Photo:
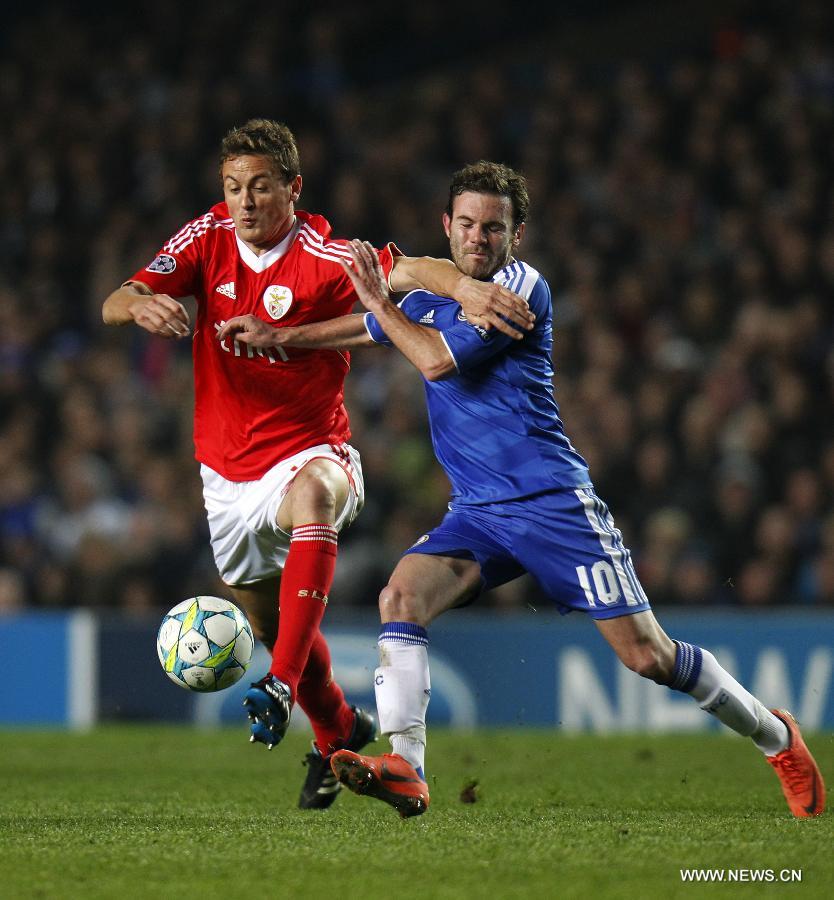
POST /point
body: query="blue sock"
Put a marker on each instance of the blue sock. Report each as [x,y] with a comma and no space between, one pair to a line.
[688,659]
[404,633]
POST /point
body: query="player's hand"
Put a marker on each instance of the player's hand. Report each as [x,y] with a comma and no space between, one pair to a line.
[488,304]
[160,314]
[253,331]
[366,275]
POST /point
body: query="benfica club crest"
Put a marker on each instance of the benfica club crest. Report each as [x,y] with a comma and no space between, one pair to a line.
[277,300]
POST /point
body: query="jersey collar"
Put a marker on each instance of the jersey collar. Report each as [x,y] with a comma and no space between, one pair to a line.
[265,260]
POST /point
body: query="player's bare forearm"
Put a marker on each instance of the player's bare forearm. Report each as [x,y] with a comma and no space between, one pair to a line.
[116,308]
[343,333]
[423,347]
[485,303]
[158,314]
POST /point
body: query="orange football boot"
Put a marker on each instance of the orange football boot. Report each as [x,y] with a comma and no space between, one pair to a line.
[388,778]
[802,783]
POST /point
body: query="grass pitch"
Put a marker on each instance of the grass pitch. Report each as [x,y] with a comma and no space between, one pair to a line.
[136,812]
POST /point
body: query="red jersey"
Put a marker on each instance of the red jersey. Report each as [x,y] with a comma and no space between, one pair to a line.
[255,407]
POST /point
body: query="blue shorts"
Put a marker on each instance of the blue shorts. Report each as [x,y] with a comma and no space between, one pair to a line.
[565,539]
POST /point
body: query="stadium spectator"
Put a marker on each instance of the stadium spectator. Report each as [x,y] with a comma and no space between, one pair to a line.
[684,213]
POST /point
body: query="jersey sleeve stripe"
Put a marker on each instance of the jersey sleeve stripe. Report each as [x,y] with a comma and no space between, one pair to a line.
[314,238]
[189,227]
[519,278]
[333,251]
[506,275]
[192,231]
[531,277]
[315,251]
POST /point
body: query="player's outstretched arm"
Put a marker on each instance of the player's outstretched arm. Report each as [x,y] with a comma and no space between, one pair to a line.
[159,314]
[423,347]
[343,333]
[485,303]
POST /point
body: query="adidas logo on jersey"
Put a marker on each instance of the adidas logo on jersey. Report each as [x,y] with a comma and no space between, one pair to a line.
[428,318]
[228,290]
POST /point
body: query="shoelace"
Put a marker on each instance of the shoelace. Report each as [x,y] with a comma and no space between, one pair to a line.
[793,773]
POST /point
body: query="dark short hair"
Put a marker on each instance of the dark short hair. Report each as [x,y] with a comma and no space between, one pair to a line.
[263,137]
[492,178]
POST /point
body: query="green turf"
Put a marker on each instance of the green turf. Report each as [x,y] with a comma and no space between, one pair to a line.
[129,812]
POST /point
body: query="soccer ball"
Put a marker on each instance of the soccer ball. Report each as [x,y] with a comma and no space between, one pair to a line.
[205,644]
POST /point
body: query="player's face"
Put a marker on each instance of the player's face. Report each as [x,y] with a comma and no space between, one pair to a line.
[481,234]
[261,202]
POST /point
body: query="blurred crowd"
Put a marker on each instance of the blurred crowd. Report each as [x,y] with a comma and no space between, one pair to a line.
[682,210]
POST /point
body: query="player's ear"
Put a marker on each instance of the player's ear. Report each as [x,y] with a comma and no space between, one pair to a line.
[519,233]
[295,188]
[447,224]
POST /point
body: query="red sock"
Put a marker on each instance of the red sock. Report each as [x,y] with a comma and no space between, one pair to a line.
[322,699]
[308,574]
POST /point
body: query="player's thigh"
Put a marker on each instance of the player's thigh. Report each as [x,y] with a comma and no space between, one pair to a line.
[318,493]
[423,586]
[260,603]
[246,544]
[569,543]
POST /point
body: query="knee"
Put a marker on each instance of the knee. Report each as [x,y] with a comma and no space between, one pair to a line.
[398,602]
[315,493]
[650,658]
[318,494]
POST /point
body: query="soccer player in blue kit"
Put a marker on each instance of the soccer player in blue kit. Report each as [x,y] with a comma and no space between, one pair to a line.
[522,500]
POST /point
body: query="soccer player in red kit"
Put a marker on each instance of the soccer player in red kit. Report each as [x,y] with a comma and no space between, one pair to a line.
[270,428]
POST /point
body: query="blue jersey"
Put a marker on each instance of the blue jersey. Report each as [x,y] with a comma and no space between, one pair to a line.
[495,425]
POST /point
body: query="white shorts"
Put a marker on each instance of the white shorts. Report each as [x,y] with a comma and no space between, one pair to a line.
[246,541]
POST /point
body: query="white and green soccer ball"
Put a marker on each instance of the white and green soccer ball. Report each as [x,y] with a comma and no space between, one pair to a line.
[205,644]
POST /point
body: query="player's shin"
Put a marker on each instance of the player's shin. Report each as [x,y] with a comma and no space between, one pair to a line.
[403,689]
[698,673]
[322,699]
[305,584]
